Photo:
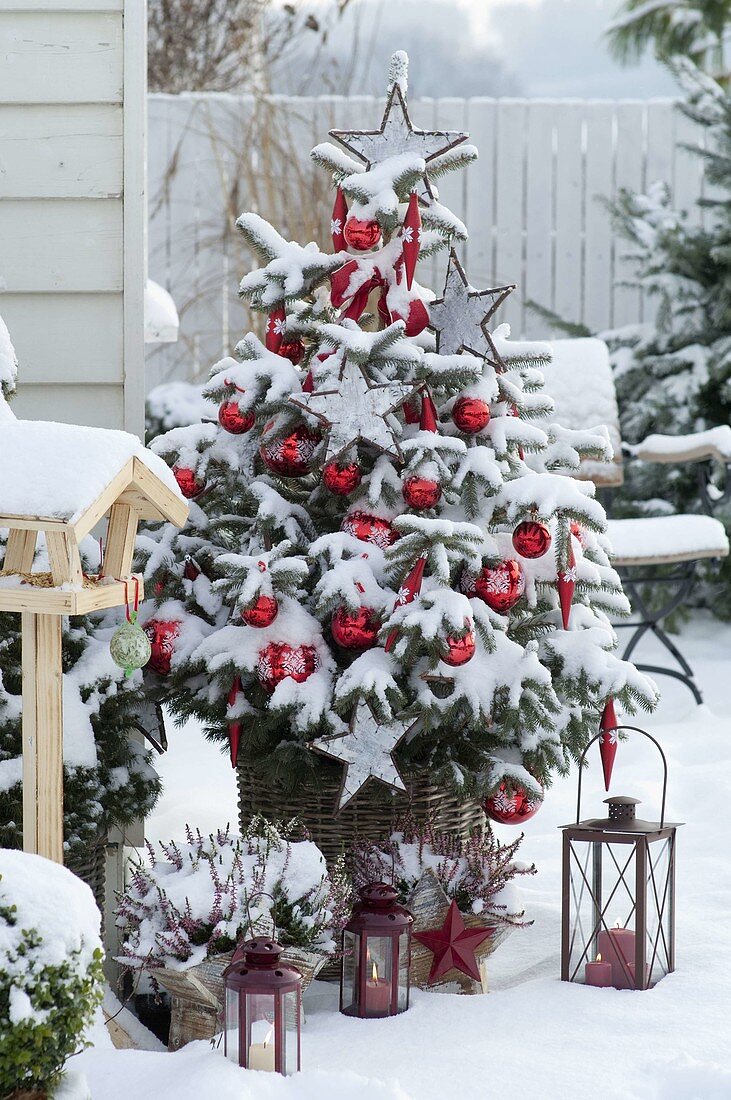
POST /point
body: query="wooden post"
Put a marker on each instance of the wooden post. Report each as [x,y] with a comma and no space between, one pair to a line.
[42,736]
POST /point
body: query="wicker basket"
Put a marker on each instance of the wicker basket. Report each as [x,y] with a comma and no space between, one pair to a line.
[370,814]
[89,864]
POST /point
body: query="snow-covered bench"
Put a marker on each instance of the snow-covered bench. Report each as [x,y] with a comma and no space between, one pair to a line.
[656,551]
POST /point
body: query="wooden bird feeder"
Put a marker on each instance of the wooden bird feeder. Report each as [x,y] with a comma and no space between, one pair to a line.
[63,480]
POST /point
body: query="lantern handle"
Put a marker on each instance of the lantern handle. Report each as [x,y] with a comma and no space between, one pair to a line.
[634,729]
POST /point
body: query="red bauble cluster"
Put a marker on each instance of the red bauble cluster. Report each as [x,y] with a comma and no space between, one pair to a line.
[278,660]
[368,528]
[471,414]
[355,629]
[421,492]
[262,613]
[459,650]
[512,807]
[341,480]
[291,456]
[293,350]
[361,235]
[162,634]
[531,539]
[188,483]
[233,419]
[499,586]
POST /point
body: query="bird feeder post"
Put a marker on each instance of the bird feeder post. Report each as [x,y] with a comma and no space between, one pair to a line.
[42,735]
[131,490]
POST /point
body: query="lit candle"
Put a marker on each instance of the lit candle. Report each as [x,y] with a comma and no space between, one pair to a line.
[377,995]
[261,1055]
[598,973]
[618,946]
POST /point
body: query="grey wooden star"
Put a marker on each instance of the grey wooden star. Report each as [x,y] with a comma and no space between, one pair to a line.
[357,410]
[460,316]
[397,135]
[366,752]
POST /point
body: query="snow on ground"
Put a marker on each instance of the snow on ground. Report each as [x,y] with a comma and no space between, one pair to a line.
[532,1034]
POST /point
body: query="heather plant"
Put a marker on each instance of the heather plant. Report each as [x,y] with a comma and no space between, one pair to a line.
[477,873]
[203,896]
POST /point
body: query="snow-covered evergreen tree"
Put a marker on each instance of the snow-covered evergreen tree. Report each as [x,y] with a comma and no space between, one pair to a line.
[350,575]
[673,375]
[108,779]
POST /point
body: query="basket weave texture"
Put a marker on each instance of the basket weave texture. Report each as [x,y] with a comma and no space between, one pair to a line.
[89,864]
[371,814]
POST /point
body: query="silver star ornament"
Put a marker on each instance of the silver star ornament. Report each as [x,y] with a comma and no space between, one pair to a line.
[460,316]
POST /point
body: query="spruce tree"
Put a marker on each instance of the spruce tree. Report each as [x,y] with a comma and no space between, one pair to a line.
[387,557]
[673,374]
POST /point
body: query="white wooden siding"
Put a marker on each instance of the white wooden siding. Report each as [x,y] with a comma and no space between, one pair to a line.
[532,202]
[72,206]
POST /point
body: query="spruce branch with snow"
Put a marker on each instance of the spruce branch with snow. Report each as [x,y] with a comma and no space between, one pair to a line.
[391,557]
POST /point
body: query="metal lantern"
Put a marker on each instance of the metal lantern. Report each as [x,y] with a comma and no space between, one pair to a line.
[618,908]
[263,1002]
[376,955]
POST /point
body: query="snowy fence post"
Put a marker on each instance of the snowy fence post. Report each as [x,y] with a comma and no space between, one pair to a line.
[62,480]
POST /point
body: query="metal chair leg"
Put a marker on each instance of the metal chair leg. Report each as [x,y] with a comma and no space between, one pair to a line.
[650,619]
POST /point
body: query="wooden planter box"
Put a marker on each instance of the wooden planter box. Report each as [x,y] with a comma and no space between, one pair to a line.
[196,994]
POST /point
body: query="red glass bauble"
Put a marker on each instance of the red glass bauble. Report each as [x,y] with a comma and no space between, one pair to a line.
[421,492]
[278,660]
[263,612]
[162,634]
[233,419]
[500,586]
[471,414]
[459,650]
[512,807]
[355,629]
[362,235]
[293,350]
[370,529]
[341,480]
[189,484]
[291,456]
[531,539]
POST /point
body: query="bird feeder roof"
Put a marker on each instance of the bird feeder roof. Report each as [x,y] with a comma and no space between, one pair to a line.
[63,475]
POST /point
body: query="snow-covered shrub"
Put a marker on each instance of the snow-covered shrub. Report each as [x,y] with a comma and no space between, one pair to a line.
[174,405]
[477,873]
[50,969]
[212,891]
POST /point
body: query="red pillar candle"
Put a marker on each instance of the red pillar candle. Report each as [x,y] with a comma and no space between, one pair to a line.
[377,995]
[618,947]
[598,973]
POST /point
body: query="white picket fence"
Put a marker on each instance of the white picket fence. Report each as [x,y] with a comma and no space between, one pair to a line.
[533,202]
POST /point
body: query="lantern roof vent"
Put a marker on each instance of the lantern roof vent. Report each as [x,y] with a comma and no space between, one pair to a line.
[622,807]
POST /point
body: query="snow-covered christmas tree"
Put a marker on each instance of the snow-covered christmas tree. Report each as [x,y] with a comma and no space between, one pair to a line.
[387,559]
[108,778]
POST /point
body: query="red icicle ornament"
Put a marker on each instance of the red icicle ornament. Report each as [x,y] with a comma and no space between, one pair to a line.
[608,742]
[407,593]
[337,222]
[275,329]
[566,583]
[234,724]
[411,238]
[429,420]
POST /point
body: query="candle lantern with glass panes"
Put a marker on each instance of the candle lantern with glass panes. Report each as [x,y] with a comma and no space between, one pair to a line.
[618,908]
[263,1007]
[376,955]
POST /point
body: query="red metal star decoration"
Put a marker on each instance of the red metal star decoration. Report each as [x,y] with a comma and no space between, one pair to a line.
[453,945]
